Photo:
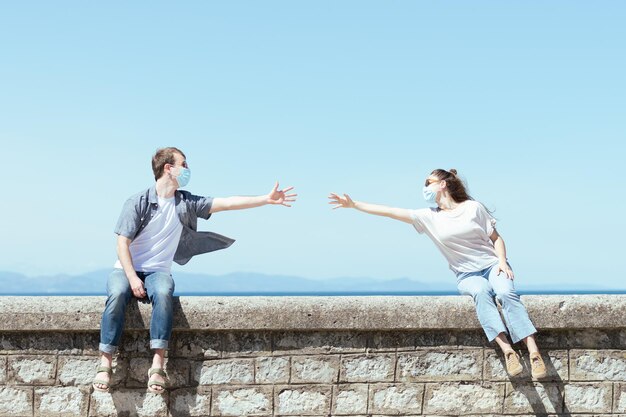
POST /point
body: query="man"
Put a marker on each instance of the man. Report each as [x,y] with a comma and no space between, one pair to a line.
[156,227]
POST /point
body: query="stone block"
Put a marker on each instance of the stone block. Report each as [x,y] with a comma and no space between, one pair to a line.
[396,399]
[272,370]
[61,402]
[588,397]
[392,341]
[242,401]
[190,402]
[367,368]
[196,345]
[597,365]
[87,344]
[128,403]
[535,398]
[77,370]
[619,402]
[16,401]
[314,369]
[556,365]
[177,372]
[32,370]
[312,343]
[305,400]
[3,369]
[464,398]
[589,339]
[440,365]
[135,343]
[40,343]
[242,344]
[350,399]
[225,371]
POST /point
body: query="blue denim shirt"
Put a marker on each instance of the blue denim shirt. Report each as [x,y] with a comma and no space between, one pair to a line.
[138,210]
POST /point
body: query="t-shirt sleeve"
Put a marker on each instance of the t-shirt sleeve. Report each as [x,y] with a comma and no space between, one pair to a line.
[201,205]
[485,220]
[418,217]
[130,219]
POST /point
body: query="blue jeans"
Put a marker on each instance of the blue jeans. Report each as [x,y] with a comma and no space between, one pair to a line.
[159,287]
[483,286]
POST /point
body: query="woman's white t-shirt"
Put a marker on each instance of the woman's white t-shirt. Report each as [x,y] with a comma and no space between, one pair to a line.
[462,234]
[154,248]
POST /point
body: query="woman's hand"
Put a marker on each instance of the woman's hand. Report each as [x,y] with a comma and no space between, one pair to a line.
[504,267]
[340,202]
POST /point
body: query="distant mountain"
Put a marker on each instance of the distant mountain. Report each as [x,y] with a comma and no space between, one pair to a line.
[238,282]
[247,283]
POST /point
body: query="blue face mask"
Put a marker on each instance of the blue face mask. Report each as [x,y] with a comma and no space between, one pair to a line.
[184,174]
[430,196]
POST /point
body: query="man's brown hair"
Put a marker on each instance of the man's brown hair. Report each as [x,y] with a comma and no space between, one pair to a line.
[164,156]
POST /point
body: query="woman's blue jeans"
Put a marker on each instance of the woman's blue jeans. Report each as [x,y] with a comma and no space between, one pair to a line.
[159,287]
[483,286]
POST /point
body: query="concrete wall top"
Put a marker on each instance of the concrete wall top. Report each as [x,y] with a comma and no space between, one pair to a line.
[311,313]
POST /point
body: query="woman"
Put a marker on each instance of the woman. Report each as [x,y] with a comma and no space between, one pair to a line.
[464,231]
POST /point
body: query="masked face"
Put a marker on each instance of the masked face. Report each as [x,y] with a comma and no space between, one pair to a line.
[183,177]
[430,190]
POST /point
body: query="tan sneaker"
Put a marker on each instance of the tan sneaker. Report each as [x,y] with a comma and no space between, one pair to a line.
[537,367]
[513,365]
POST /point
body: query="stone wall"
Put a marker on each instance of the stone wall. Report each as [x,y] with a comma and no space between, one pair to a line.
[309,356]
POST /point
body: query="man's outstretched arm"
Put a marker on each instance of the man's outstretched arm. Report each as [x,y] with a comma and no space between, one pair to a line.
[275,196]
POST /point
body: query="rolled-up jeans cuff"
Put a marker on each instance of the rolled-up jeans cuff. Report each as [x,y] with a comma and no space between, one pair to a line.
[110,349]
[158,344]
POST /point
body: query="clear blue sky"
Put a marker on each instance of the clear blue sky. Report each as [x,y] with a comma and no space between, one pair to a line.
[527,100]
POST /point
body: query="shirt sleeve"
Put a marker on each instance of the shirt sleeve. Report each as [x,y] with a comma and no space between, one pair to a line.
[418,217]
[485,219]
[130,219]
[201,205]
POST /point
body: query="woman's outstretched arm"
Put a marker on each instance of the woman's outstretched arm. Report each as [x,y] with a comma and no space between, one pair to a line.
[377,209]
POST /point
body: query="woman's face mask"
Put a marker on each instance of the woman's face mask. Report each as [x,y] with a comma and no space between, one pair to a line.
[430,191]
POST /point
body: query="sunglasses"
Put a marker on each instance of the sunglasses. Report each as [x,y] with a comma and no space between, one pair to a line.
[430,181]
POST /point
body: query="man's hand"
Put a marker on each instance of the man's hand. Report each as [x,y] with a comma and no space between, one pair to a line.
[277,196]
[136,285]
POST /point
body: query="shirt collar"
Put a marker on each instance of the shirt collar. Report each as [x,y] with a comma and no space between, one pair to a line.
[153,198]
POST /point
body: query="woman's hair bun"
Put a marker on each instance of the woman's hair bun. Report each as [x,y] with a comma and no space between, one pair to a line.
[453,171]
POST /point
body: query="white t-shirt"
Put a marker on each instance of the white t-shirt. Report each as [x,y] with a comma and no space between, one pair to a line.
[461,234]
[154,248]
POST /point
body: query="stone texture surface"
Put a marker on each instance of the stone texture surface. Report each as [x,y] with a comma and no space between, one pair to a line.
[32,370]
[396,398]
[307,400]
[556,362]
[242,401]
[533,398]
[589,397]
[272,370]
[61,402]
[350,399]
[309,313]
[16,401]
[190,402]
[440,365]
[315,369]
[225,371]
[131,403]
[462,399]
[367,368]
[381,367]
[76,370]
[599,365]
